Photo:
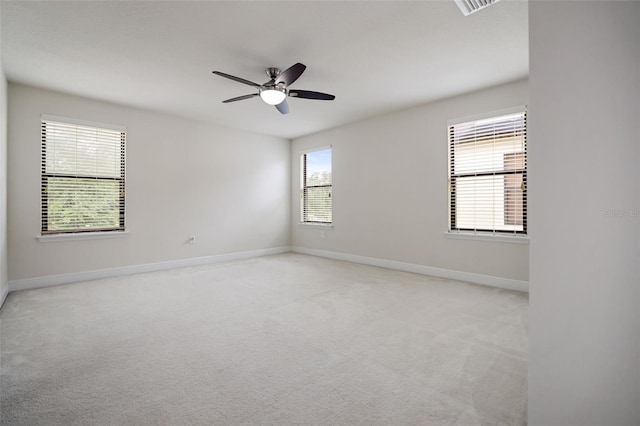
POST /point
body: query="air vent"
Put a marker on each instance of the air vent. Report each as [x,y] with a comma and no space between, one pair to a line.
[467,7]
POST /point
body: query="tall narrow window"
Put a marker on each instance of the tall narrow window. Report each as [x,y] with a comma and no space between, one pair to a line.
[316,187]
[83,176]
[488,174]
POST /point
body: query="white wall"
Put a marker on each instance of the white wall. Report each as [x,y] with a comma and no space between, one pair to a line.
[226,187]
[584,213]
[390,189]
[4,288]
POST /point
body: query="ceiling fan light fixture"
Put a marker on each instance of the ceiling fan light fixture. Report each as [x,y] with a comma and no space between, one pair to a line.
[273,95]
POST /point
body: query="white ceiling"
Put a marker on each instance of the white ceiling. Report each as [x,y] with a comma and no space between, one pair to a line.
[375,56]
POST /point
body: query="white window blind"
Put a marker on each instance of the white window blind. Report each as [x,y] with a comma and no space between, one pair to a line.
[316,187]
[83,177]
[488,174]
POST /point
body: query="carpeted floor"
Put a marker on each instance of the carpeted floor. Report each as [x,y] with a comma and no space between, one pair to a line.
[278,340]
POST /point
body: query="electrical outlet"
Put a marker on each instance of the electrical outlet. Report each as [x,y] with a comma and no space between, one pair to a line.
[321,234]
[192,239]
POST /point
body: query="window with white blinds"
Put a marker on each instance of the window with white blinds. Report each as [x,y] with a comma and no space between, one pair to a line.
[488,174]
[83,176]
[316,187]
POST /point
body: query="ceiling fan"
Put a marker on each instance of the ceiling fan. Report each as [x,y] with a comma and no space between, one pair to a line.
[275,91]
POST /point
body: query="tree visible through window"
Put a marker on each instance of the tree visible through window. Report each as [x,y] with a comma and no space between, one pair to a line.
[488,175]
[83,172]
[316,187]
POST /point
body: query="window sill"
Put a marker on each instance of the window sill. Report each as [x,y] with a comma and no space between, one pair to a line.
[81,236]
[315,225]
[494,238]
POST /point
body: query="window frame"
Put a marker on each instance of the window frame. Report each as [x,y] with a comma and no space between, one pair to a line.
[98,232]
[304,186]
[490,233]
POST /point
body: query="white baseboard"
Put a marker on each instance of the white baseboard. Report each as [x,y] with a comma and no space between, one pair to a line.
[4,292]
[52,280]
[48,281]
[487,280]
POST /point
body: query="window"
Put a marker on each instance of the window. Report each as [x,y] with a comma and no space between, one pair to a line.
[83,175]
[488,174]
[316,188]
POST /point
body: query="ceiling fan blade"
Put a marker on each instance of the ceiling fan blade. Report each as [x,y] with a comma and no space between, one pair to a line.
[240,98]
[291,74]
[283,107]
[309,94]
[238,79]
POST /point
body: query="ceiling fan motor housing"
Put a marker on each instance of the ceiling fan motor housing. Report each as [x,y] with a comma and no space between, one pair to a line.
[273,73]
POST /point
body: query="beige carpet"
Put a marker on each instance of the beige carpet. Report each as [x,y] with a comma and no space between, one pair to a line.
[279,340]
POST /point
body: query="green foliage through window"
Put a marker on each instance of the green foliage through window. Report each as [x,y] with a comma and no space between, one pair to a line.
[82,178]
[77,204]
